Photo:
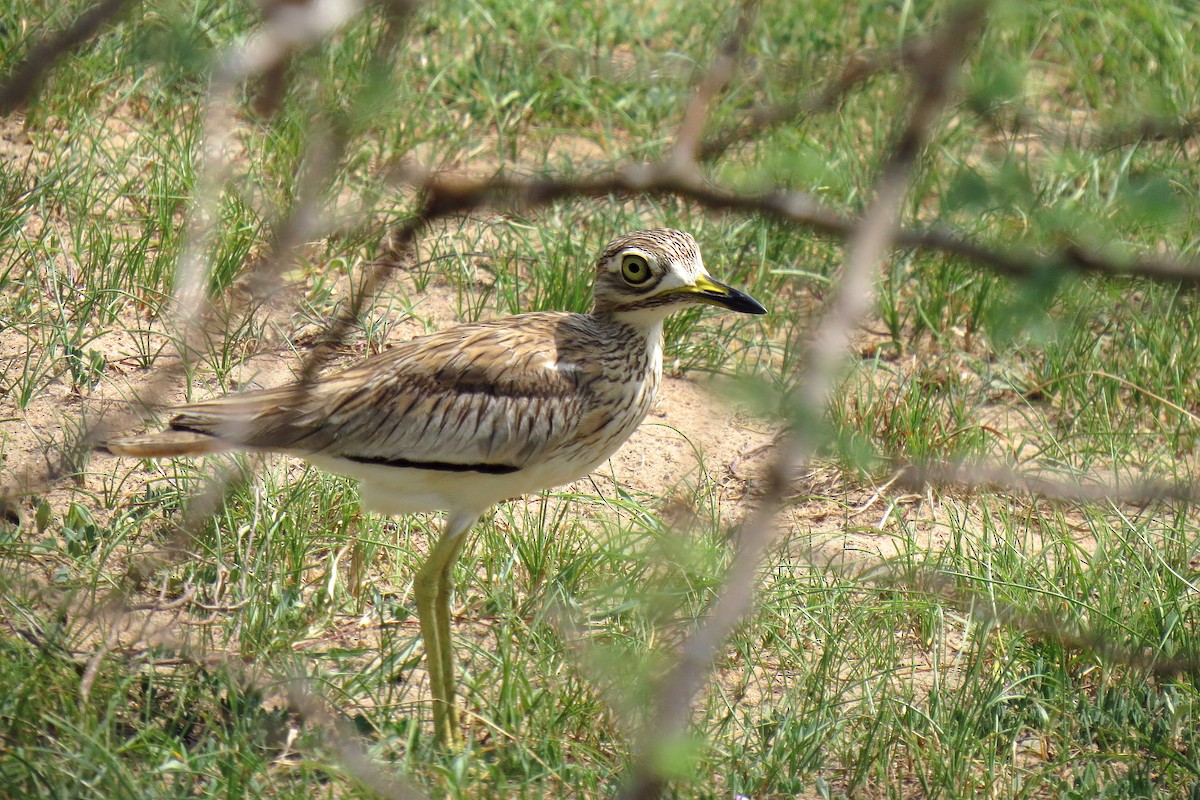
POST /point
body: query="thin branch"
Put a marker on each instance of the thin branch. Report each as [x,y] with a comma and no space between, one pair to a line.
[997,477]
[26,78]
[1151,129]
[826,353]
[351,754]
[695,116]
[312,708]
[868,238]
[857,69]
[989,609]
[447,195]
[284,31]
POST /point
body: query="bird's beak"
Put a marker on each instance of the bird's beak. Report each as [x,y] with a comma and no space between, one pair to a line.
[716,293]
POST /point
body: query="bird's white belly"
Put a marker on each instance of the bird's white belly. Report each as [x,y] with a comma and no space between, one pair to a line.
[407,490]
[404,490]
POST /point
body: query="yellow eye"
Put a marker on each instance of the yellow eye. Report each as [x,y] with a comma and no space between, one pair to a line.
[635,269]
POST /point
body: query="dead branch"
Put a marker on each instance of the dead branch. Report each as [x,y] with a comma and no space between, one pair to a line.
[991,610]
[312,708]
[856,69]
[1151,129]
[26,78]
[997,477]
[448,195]
[825,360]
[286,30]
[934,62]
[695,116]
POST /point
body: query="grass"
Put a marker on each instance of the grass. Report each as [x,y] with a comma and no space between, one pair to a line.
[571,604]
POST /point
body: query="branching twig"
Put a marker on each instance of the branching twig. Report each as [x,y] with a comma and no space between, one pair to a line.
[23,82]
[934,61]
[991,610]
[312,708]
[1023,123]
[856,69]
[1150,129]
[695,116]
[447,195]
[852,302]
[351,755]
[290,28]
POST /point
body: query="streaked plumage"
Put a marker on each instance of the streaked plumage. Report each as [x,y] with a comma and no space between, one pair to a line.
[464,418]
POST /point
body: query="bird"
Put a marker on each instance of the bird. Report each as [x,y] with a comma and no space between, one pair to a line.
[464,418]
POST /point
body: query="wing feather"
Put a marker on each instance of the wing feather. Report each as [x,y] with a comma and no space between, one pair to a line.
[495,393]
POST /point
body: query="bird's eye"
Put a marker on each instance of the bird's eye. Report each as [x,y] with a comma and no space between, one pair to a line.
[635,269]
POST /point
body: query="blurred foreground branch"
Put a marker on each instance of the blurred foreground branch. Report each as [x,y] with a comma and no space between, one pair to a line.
[997,477]
[987,608]
[825,358]
[23,82]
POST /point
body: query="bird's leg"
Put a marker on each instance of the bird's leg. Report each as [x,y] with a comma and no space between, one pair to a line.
[445,588]
[426,594]
[432,586]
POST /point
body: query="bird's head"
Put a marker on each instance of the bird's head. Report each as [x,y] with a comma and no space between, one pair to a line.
[644,276]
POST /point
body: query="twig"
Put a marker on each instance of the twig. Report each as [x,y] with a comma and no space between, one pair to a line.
[998,477]
[695,116]
[1176,130]
[284,31]
[447,195]
[991,610]
[24,81]
[313,709]
[111,637]
[856,69]
[353,758]
[1150,129]
[851,304]
[868,239]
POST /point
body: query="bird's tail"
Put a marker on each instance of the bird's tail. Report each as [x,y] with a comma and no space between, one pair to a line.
[164,445]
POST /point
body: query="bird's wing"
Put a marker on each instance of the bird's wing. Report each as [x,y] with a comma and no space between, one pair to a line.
[489,396]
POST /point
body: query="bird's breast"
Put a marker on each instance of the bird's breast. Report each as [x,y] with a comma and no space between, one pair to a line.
[620,399]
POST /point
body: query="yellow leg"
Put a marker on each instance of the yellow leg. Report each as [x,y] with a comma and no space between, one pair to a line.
[432,587]
[442,621]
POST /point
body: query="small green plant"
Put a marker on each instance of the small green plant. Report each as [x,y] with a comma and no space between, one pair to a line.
[81,533]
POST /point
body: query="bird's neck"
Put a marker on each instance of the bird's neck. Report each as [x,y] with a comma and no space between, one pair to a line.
[653,336]
[642,326]
[634,330]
